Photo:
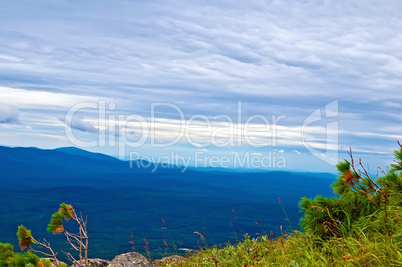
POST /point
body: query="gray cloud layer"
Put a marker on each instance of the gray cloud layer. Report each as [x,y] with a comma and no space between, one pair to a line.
[79,123]
[266,51]
[8,114]
[278,57]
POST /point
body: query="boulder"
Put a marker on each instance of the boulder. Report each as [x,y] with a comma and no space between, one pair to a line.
[131,259]
[98,263]
[94,263]
[170,259]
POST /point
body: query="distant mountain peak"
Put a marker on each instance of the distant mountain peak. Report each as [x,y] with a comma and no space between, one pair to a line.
[81,152]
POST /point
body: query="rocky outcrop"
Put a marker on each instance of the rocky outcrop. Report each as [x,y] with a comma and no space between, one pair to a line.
[98,263]
[94,263]
[170,259]
[131,259]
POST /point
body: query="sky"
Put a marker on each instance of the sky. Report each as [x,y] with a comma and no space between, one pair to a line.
[240,84]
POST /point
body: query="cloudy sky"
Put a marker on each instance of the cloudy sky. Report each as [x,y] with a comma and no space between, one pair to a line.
[294,81]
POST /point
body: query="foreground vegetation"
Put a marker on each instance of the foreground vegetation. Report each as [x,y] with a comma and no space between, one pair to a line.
[361,227]
[303,249]
[78,242]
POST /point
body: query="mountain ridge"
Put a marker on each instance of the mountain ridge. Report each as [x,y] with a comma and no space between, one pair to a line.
[119,200]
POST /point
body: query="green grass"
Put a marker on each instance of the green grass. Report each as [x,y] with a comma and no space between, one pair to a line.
[360,227]
[303,249]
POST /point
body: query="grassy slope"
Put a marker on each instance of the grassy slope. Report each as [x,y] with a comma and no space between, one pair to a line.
[302,249]
[361,248]
[352,235]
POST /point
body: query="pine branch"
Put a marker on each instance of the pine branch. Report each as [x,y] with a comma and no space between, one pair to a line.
[70,257]
[366,173]
[46,245]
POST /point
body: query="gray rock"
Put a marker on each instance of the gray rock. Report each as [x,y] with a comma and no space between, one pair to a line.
[94,263]
[170,259]
[131,259]
[98,263]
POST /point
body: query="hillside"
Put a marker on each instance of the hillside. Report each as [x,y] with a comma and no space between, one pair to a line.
[119,200]
[359,227]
